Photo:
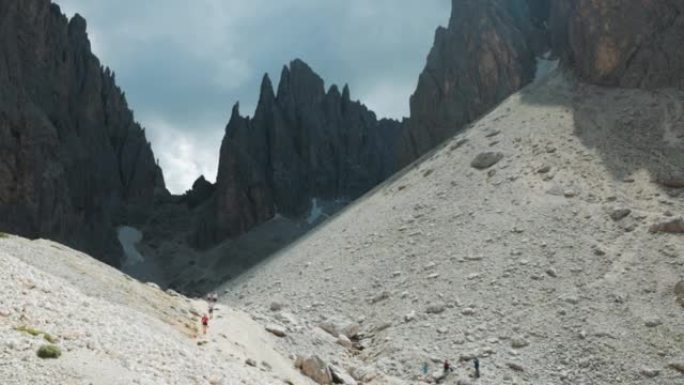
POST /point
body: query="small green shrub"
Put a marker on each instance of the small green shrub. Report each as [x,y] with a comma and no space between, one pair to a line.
[35,333]
[28,330]
[3,235]
[49,338]
[49,351]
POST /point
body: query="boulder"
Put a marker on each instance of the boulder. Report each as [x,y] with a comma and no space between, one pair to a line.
[679,292]
[619,214]
[363,374]
[675,226]
[344,341]
[337,327]
[341,377]
[673,180]
[678,366]
[649,372]
[436,308]
[315,368]
[486,160]
[519,343]
[276,330]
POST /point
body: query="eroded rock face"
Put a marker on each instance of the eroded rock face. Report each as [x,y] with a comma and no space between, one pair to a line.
[627,43]
[72,159]
[485,54]
[302,143]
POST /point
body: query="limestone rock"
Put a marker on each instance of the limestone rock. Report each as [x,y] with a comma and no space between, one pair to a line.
[200,192]
[484,55]
[519,343]
[649,372]
[344,341]
[628,43]
[341,377]
[337,327]
[363,374]
[303,143]
[436,308]
[315,368]
[674,180]
[486,160]
[276,330]
[679,292]
[675,226]
[72,161]
[619,214]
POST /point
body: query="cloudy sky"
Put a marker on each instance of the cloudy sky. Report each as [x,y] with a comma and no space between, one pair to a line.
[184,63]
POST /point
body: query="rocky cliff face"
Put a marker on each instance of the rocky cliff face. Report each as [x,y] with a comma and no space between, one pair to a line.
[627,43]
[485,54]
[302,143]
[72,159]
[488,52]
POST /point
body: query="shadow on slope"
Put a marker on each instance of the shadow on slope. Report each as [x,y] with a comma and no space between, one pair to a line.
[631,130]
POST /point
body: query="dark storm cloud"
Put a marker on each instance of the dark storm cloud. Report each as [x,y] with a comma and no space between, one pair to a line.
[184,63]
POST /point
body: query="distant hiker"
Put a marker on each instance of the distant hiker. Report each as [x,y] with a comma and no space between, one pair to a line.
[476,362]
[425,368]
[205,323]
[447,367]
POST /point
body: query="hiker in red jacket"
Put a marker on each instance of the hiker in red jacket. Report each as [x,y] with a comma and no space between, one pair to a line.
[205,323]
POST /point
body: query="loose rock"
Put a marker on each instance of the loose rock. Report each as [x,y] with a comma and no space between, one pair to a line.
[486,160]
[276,330]
[315,368]
[675,226]
[339,376]
[519,343]
[344,341]
[436,308]
[649,373]
[515,366]
[678,366]
[619,214]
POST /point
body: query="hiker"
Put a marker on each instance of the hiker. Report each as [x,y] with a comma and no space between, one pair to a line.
[205,323]
[476,362]
[447,367]
[425,369]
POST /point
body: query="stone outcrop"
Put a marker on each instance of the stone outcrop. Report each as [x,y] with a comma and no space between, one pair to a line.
[486,53]
[200,192]
[73,162]
[627,43]
[302,143]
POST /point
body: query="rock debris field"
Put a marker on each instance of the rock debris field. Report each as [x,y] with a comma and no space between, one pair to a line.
[545,240]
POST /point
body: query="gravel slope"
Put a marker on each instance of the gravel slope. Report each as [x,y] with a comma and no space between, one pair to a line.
[520,264]
[114,330]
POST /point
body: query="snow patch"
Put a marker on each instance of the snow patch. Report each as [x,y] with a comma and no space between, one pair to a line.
[545,65]
[129,237]
[316,212]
